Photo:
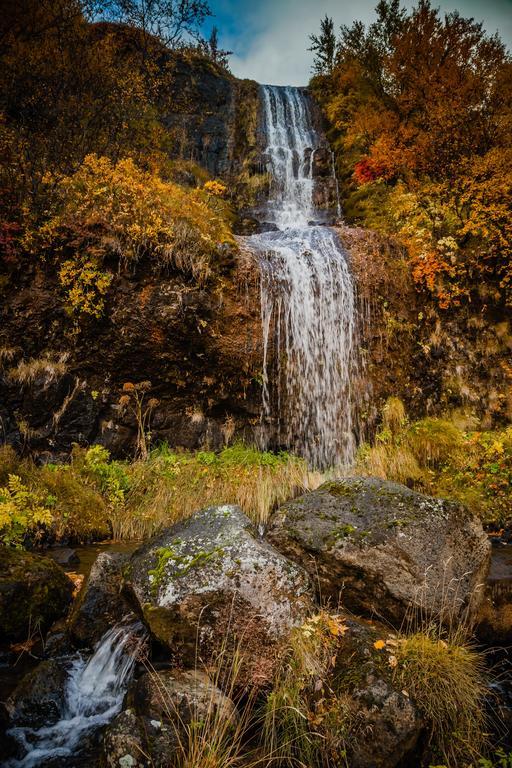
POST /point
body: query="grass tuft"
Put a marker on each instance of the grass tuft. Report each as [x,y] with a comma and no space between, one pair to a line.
[50,367]
[444,676]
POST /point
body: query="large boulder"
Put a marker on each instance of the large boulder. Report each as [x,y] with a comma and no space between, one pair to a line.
[381,548]
[34,591]
[163,706]
[99,604]
[210,582]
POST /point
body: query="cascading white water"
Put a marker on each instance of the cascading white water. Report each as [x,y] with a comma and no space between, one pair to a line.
[93,696]
[308,304]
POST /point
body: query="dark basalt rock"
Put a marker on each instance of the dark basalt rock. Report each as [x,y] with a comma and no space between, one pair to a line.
[380,709]
[380,548]
[37,700]
[99,604]
[34,591]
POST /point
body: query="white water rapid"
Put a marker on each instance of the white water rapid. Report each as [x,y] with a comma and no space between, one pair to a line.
[308,306]
[92,697]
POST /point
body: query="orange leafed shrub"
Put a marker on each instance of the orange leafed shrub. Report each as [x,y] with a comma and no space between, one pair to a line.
[117,208]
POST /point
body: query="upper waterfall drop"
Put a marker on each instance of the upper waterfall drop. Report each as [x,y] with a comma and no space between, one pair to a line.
[291,142]
[308,306]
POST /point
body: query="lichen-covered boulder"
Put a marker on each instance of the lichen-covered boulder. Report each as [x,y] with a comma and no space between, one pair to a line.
[99,604]
[210,583]
[34,591]
[380,547]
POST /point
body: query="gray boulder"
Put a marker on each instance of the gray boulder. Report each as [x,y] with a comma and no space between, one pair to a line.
[124,743]
[381,548]
[184,696]
[210,584]
[99,604]
[162,707]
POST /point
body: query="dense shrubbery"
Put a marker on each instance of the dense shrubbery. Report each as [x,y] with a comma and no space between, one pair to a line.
[109,209]
[437,456]
[94,496]
[419,108]
[85,169]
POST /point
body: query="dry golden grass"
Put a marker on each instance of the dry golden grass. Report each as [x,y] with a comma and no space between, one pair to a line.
[50,367]
[445,678]
[389,462]
[169,487]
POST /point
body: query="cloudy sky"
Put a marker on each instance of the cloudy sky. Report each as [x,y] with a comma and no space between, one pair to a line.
[270,37]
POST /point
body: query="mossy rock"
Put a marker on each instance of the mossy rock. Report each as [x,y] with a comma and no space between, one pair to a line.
[380,548]
[211,582]
[363,673]
[34,592]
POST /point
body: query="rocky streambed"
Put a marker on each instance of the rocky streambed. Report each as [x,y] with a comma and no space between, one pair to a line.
[197,622]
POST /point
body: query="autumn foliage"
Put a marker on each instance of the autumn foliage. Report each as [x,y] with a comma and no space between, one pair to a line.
[88,169]
[419,108]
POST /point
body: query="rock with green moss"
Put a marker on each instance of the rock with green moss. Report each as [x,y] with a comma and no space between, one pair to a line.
[381,548]
[34,591]
[210,584]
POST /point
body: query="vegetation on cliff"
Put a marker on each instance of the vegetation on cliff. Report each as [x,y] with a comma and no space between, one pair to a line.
[447,457]
[87,183]
[96,497]
[418,107]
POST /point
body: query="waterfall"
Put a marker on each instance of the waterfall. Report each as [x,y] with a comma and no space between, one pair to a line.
[93,695]
[308,307]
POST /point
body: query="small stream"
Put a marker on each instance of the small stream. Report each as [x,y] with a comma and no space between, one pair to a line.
[92,696]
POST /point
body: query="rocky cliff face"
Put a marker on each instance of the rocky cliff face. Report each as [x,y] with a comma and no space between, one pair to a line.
[201,346]
[434,360]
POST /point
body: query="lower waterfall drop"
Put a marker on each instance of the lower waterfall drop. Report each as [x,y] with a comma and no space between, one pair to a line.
[308,305]
[93,695]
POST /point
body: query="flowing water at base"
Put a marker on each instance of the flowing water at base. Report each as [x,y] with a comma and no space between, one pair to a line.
[308,307]
[92,697]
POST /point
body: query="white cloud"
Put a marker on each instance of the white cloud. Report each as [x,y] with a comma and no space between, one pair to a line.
[275,33]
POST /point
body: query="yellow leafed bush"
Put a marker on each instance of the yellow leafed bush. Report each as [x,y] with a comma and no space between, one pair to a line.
[121,209]
[22,511]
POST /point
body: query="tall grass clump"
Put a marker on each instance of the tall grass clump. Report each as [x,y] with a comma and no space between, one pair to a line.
[445,677]
[170,485]
[305,723]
